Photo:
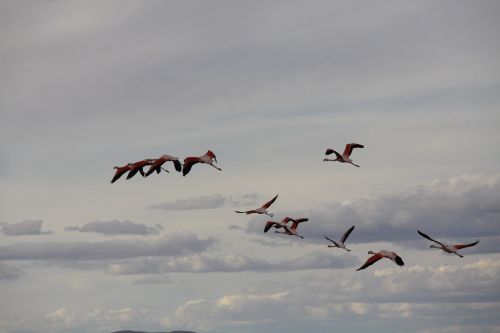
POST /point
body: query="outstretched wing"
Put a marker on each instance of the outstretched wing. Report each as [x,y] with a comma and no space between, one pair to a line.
[269,225]
[239,211]
[188,163]
[348,232]
[373,259]
[331,151]
[269,203]
[429,238]
[331,240]
[350,146]
[118,174]
[461,246]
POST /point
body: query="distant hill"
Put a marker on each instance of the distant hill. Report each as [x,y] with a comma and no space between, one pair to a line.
[153,332]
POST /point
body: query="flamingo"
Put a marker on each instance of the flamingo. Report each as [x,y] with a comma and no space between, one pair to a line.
[120,171]
[292,231]
[137,167]
[447,248]
[341,244]
[283,223]
[208,158]
[260,210]
[382,254]
[157,164]
[345,157]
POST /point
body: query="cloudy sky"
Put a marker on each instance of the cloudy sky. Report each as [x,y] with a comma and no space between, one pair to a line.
[267,86]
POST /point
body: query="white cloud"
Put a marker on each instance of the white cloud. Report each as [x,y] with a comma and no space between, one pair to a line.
[233,309]
[405,297]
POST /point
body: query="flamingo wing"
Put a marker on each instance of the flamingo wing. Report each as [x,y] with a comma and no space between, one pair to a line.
[429,238]
[348,232]
[188,163]
[331,240]
[373,259]
[461,246]
[177,165]
[119,172]
[350,146]
[331,151]
[132,172]
[155,167]
[269,225]
[269,203]
[397,259]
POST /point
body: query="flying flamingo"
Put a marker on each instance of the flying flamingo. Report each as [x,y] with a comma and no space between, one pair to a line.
[208,158]
[292,231]
[341,244]
[382,254]
[345,157]
[120,171]
[283,223]
[260,210]
[137,167]
[447,248]
[157,164]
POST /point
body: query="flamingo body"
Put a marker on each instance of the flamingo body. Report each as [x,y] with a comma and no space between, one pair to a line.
[260,210]
[120,171]
[376,256]
[346,155]
[138,167]
[292,231]
[209,158]
[341,244]
[157,164]
[447,247]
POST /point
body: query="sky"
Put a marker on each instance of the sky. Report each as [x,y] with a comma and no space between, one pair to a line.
[268,86]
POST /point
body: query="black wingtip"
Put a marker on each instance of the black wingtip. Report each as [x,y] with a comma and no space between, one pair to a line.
[399,261]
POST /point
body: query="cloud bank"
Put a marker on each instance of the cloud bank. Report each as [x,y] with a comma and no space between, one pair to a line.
[167,245]
[204,263]
[460,208]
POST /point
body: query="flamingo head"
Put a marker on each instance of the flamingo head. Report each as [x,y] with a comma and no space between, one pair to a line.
[212,155]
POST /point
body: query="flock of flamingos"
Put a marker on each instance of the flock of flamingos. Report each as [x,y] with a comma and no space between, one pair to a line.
[209,158]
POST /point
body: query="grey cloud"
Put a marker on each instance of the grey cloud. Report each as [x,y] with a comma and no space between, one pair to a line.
[32,227]
[464,207]
[203,202]
[167,245]
[202,263]
[207,202]
[115,227]
[9,271]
